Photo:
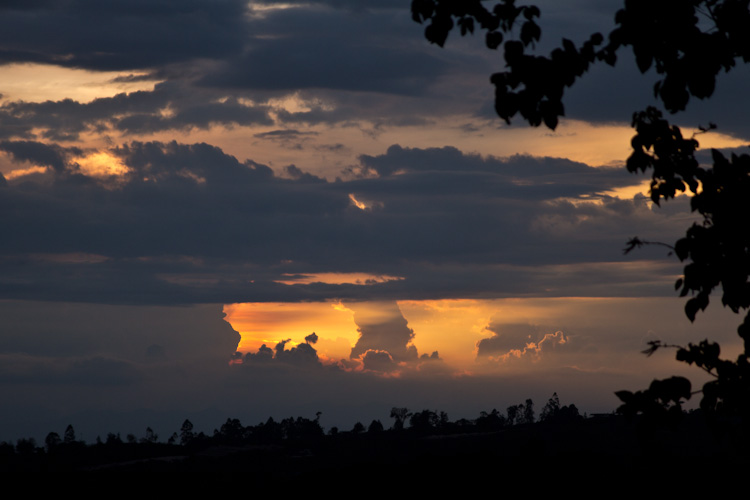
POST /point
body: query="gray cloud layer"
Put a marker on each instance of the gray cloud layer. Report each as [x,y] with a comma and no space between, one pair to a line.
[190,223]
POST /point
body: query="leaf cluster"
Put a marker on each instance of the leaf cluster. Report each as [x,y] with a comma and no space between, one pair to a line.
[686,43]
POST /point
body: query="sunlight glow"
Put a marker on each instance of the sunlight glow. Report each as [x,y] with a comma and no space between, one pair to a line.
[42,82]
[357,203]
[101,164]
[268,323]
[338,279]
[364,205]
[566,332]
[294,103]
[20,172]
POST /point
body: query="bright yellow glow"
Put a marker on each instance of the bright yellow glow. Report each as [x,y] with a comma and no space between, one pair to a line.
[357,203]
[270,322]
[294,103]
[40,82]
[577,333]
[20,172]
[338,279]
[629,192]
[101,164]
[364,205]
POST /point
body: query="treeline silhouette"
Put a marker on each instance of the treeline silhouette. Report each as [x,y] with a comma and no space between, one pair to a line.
[418,444]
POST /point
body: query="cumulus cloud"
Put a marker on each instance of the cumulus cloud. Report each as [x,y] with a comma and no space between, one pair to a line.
[378,361]
[520,340]
[301,355]
[382,328]
[507,337]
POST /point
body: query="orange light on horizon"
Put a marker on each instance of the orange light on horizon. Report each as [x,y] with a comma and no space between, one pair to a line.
[338,278]
[271,322]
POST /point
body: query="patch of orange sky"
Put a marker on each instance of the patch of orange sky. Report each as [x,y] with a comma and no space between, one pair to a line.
[453,327]
[42,82]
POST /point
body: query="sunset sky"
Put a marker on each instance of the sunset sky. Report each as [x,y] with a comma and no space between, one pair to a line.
[183,182]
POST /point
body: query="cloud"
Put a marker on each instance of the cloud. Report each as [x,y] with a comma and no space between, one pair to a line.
[378,361]
[300,355]
[74,331]
[188,223]
[507,337]
[382,328]
[49,155]
[121,34]
[170,106]
[521,341]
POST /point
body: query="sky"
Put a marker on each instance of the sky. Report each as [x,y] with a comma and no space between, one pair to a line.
[190,189]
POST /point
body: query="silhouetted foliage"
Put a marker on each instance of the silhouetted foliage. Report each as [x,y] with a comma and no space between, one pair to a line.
[232,431]
[358,428]
[424,421]
[554,413]
[400,415]
[375,427]
[186,432]
[528,412]
[551,409]
[52,441]
[70,435]
[687,43]
[512,414]
[150,437]
[26,446]
[492,421]
[113,439]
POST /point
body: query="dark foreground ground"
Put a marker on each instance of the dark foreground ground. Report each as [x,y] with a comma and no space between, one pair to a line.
[604,456]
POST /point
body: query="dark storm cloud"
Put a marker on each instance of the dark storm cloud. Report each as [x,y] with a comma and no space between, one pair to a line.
[169,106]
[330,51]
[319,62]
[331,48]
[312,47]
[190,223]
[121,34]
[48,155]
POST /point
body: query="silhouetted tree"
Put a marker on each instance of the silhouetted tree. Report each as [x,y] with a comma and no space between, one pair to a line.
[527,412]
[375,427]
[70,435]
[400,415]
[52,441]
[186,432]
[687,43]
[26,446]
[150,437]
[512,414]
[358,428]
[232,431]
[113,439]
[551,409]
[493,420]
[424,421]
